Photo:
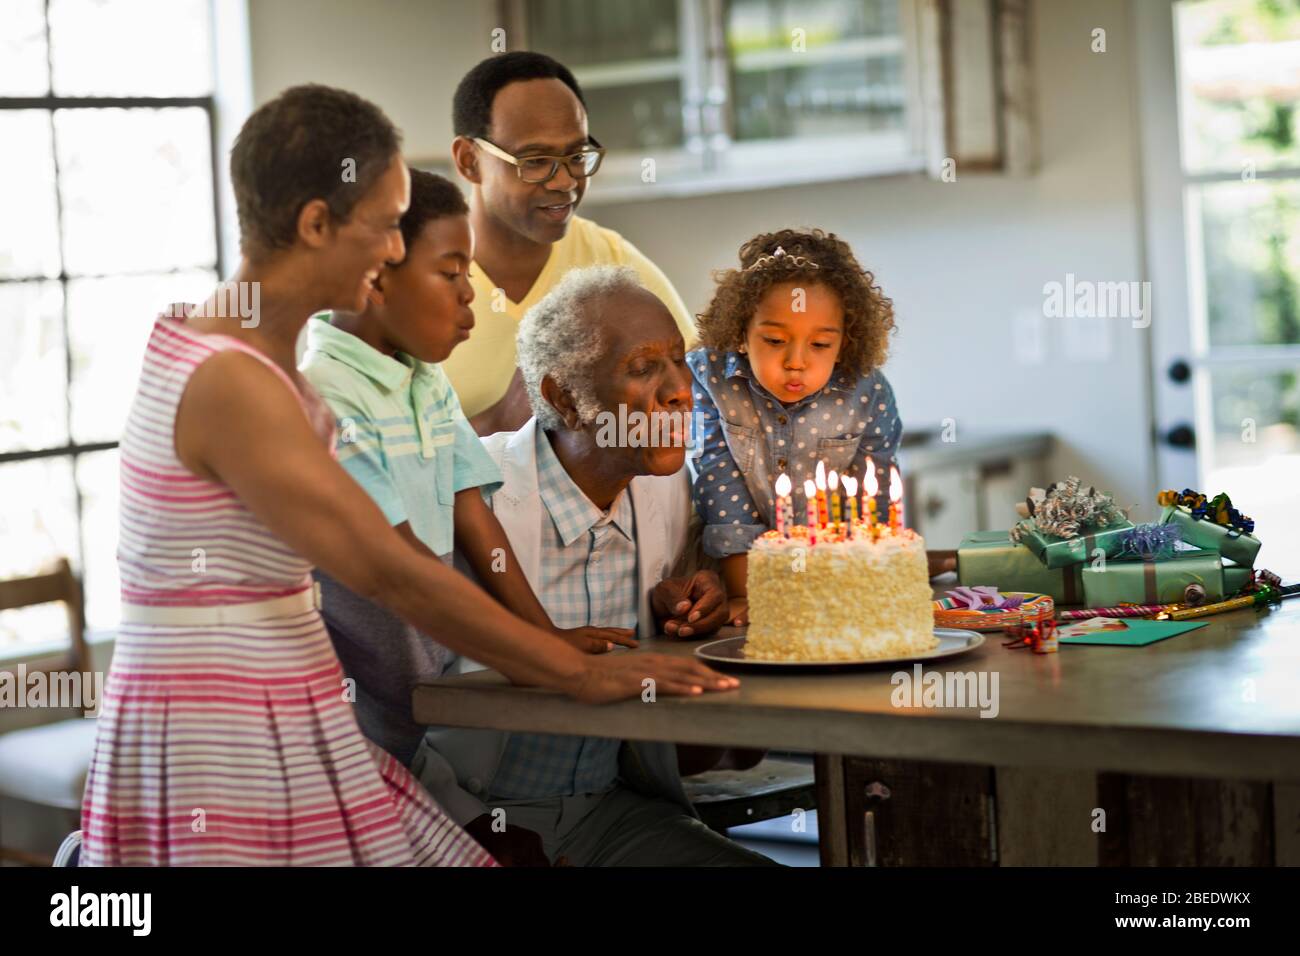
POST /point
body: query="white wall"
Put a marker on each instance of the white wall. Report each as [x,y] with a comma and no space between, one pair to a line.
[405,55]
[961,260]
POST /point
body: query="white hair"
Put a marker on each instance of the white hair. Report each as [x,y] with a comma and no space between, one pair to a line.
[557,338]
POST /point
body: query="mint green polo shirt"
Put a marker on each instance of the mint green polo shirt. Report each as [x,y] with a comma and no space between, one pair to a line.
[401,432]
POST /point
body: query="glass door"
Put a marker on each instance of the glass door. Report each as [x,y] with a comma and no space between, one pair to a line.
[1239,87]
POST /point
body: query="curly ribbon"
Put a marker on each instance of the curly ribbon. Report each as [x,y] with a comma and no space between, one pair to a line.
[1217,510]
[1065,509]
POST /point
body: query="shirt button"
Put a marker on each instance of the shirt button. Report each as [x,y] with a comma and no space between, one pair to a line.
[781,419]
[780,463]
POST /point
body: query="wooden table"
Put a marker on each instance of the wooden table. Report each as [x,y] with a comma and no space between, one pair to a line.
[1220,702]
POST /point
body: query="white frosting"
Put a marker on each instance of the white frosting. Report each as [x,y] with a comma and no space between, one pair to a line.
[839,600]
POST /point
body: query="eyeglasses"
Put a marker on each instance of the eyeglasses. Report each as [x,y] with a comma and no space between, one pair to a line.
[542,169]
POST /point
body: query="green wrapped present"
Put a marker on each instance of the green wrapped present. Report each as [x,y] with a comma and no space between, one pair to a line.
[991,558]
[1205,533]
[1056,552]
[1153,580]
[1235,577]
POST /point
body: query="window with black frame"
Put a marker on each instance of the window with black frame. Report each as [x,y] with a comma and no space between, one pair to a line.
[107,186]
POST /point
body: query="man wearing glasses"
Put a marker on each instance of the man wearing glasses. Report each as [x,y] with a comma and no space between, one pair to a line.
[522,142]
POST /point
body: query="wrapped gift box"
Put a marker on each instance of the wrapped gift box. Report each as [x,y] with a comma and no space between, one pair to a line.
[1204,533]
[1057,552]
[1235,577]
[992,558]
[1153,580]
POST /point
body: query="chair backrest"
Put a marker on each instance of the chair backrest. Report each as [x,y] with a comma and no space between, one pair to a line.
[57,586]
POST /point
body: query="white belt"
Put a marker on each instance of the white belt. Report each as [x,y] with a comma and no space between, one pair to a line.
[247,613]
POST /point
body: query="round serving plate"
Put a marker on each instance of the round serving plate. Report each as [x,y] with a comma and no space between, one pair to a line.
[731,652]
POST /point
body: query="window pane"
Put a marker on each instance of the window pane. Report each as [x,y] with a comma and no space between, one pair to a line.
[627,58]
[642,116]
[24,63]
[33,367]
[847,76]
[145,204]
[29,224]
[97,477]
[582,33]
[1239,76]
[38,525]
[1251,241]
[131,47]
[108,325]
[1256,455]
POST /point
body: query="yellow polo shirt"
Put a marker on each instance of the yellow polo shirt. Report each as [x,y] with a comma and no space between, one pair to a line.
[480,368]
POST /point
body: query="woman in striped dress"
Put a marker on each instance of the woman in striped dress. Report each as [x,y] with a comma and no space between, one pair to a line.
[226,735]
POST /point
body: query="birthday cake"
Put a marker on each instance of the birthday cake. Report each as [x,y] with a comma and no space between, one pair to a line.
[839,597]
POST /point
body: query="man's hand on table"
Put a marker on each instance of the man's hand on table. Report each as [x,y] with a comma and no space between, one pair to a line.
[690,606]
[941,562]
[513,846]
[596,640]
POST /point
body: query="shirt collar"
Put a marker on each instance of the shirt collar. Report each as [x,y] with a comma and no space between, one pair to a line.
[570,509]
[388,372]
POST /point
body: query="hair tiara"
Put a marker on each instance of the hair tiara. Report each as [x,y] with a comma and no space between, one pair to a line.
[780,259]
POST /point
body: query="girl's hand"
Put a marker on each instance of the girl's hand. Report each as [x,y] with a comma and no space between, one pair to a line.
[596,640]
[738,611]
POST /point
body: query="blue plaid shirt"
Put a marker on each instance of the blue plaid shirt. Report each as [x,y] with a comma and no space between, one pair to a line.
[588,577]
[745,437]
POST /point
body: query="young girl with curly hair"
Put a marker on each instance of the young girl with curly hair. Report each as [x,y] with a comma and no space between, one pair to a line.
[788,375]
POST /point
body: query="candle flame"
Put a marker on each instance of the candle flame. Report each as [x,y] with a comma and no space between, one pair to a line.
[833,480]
[871,484]
[809,489]
[850,485]
[821,475]
[782,484]
[895,485]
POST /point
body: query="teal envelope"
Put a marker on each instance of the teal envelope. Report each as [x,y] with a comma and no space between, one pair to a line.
[1138,634]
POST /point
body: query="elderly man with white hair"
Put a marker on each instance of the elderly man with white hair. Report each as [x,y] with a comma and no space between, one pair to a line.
[599,519]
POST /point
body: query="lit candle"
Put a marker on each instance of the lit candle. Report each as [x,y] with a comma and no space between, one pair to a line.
[821,492]
[810,494]
[851,503]
[870,488]
[782,494]
[895,500]
[833,482]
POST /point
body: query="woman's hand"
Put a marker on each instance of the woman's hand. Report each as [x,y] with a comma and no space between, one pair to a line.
[621,676]
[596,640]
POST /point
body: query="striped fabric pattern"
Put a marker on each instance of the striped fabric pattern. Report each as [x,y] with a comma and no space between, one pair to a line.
[588,579]
[232,744]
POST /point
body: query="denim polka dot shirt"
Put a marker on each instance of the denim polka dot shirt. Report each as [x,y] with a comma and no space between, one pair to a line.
[743,438]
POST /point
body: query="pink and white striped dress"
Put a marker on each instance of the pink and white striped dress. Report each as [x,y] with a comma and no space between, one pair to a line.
[232,744]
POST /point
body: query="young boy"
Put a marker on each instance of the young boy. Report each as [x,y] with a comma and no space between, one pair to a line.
[404,438]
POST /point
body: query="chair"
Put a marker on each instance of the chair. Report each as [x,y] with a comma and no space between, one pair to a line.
[731,798]
[46,765]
